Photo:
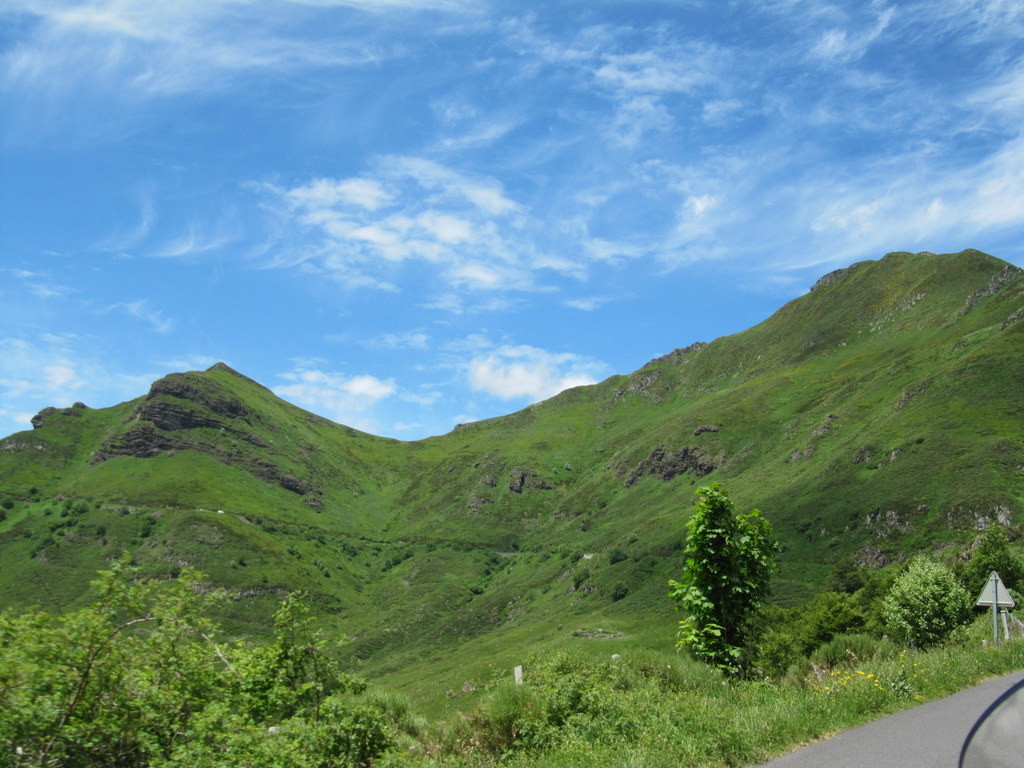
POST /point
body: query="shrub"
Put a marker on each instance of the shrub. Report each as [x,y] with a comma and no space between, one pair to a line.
[509,717]
[617,555]
[925,604]
[849,649]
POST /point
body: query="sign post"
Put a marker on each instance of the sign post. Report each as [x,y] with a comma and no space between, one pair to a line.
[996,594]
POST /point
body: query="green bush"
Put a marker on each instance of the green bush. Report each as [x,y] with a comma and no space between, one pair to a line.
[925,604]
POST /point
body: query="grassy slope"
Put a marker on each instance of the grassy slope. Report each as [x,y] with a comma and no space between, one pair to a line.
[871,417]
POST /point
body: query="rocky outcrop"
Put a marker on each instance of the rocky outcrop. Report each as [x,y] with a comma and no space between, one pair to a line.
[200,392]
[910,394]
[1014,318]
[828,279]
[870,556]
[884,523]
[640,384]
[679,355]
[143,441]
[476,503]
[520,479]
[996,284]
[837,274]
[668,463]
[40,419]
[963,518]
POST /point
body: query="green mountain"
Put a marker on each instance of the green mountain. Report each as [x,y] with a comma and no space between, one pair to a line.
[879,415]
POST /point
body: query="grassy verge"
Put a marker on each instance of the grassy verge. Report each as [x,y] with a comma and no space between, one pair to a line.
[652,709]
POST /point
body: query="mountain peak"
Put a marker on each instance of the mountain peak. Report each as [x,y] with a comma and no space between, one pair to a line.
[224,367]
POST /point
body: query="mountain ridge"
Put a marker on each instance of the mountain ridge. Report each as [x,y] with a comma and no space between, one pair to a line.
[877,415]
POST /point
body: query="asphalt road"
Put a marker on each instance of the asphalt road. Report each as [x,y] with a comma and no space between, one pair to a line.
[928,736]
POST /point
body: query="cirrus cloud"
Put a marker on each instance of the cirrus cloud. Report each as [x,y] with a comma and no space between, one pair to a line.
[370,230]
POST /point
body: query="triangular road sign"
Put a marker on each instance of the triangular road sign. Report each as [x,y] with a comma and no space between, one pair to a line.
[995,593]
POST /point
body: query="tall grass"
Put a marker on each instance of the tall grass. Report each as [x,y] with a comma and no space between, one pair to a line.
[650,709]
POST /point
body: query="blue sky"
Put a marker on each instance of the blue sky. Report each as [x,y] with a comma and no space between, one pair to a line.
[406,214]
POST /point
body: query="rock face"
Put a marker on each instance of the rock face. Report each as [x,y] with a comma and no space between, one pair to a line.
[521,478]
[667,463]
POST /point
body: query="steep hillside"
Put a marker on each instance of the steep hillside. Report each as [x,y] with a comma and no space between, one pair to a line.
[877,415]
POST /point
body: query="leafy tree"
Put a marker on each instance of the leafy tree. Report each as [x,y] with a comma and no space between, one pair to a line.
[845,577]
[828,615]
[992,552]
[730,558]
[925,604]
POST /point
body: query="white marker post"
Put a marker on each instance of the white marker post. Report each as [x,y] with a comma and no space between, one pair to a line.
[996,594]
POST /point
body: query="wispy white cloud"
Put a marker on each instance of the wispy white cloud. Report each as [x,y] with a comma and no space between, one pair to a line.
[41,284]
[190,363]
[421,398]
[193,242]
[123,240]
[141,310]
[50,290]
[57,370]
[401,426]
[719,111]
[408,340]
[346,399]
[971,21]
[162,48]
[321,194]
[876,213]
[668,69]
[525,372]
[589,303]
[842,45]
[464,228]
[637,118]
[392,5]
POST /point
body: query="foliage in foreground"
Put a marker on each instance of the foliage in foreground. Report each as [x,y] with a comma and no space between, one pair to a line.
[650,709]
[140,678]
